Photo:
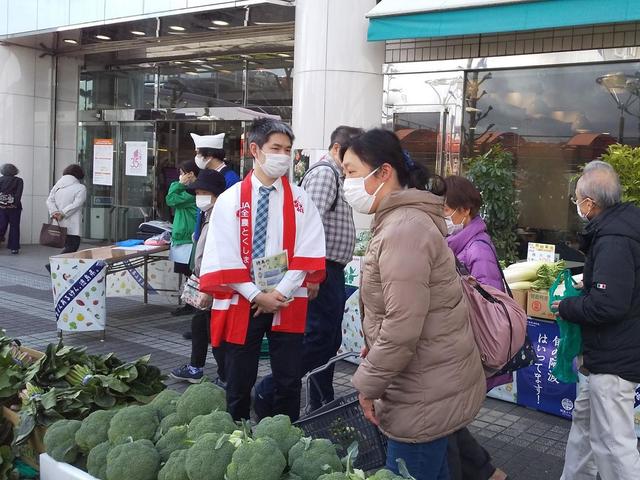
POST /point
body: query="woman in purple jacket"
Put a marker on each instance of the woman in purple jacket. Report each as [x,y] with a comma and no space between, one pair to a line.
[470,242]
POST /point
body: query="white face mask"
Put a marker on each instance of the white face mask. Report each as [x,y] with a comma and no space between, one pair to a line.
[275,165]
[201,162]
[203,202]
[356,194]
[452,228]
[583,216]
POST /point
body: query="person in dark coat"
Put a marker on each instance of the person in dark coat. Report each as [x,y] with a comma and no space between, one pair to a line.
[11,187]
[602,438]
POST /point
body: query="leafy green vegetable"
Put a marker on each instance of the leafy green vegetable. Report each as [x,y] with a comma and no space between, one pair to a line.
[547,274]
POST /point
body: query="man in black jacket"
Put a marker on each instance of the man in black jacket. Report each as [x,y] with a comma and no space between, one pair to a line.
[602,438]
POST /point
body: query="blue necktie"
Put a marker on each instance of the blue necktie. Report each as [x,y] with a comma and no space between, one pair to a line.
[262,220]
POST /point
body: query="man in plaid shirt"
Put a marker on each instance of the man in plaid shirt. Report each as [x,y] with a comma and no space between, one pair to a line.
[323,334]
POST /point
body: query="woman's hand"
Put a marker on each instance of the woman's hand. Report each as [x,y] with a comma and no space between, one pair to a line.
[364,352]
[369,409]
[57,216]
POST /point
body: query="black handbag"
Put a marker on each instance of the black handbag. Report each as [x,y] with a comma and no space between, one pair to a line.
[53,235]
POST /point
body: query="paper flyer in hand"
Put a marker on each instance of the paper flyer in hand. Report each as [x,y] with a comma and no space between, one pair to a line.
[268,271]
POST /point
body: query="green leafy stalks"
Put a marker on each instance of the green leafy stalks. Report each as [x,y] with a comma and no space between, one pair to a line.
[547,274]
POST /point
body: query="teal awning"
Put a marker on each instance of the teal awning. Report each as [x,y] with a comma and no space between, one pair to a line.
[467,18]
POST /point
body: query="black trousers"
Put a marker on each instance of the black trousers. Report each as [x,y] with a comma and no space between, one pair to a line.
[200,334]
[10,219]
[241,367]
[468,460]
[71,244]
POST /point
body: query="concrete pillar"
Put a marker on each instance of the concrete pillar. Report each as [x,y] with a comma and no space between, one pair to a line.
[25,127]
[337,73]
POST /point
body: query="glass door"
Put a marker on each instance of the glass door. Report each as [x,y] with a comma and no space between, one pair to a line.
[134,178]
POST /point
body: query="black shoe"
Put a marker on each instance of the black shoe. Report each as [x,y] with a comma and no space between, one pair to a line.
[48,267]
[183,310]
[184,373]
[15,252]
[187,335]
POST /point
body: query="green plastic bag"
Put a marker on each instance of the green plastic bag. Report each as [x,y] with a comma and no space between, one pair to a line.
[570,345]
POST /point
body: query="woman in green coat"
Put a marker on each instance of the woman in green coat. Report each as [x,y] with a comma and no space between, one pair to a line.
[185,211]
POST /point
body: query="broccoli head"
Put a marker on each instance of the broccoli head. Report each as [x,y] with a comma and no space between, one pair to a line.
[279,428]
[260,459]
[165,402]
[60,440]
[209,456]
[333,476]
[200,399]
[174,439]
[385,474]
[215,422]
[175,468]
[135,422]
[97,460]
[171,420]
[94,429]
[308,458]
[139,460]
[289,476]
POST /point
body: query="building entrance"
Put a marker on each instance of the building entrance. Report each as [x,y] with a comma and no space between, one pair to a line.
[137,192]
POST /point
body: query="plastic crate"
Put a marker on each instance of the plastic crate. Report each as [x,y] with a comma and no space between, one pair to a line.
[342,421]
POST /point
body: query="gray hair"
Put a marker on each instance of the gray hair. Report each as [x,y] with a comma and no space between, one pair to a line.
[9,170]
[600,183]
[262,128]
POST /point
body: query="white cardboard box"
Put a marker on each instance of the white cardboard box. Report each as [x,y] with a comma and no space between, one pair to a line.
[52,470]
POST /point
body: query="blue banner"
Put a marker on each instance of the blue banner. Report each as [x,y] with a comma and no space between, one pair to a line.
[78,286]
[137,277]
[537,387]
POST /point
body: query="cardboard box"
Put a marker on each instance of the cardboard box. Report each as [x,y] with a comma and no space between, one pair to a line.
[520,296]
[52,470]
[538,305]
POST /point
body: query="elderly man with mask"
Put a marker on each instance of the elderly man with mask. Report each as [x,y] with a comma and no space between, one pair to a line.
[602,439]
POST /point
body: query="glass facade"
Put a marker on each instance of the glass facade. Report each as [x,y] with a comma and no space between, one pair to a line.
[553,120]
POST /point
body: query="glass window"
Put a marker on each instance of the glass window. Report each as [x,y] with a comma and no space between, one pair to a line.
[553,120]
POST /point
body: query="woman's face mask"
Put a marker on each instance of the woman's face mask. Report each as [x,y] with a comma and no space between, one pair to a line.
[274,165]
[453,228]
[356,194]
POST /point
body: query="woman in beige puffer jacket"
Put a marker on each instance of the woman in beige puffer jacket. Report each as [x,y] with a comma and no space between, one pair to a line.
[421,378]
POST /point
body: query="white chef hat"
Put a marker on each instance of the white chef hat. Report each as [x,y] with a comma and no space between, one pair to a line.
[208,141]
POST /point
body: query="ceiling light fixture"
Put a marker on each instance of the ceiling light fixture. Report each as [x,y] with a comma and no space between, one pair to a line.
[103,37]
[284,55]
[196,61]
[177,28]
[178,62]
[192,73]
[138,33]
[70,41]
[220,23]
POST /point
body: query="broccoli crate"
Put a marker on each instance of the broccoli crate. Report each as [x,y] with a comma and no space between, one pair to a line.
[52,470]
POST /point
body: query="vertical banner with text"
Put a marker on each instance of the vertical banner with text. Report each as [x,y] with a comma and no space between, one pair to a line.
[103,161]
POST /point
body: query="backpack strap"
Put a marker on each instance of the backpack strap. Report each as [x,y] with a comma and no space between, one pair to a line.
[495,255]
[323,164]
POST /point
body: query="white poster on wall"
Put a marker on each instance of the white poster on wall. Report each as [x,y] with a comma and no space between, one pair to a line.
[103,161]
[136,157]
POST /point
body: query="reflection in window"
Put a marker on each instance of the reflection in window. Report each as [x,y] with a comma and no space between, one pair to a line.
[553,120]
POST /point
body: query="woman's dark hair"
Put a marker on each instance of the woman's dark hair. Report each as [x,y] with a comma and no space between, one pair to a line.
[377,146]
[9,170]
[212,152]
[75,170]
[461,193]
[188,166]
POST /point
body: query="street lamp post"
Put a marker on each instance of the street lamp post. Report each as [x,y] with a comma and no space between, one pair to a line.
[624,90]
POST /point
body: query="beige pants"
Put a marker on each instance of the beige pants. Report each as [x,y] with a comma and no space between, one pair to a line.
[602,438]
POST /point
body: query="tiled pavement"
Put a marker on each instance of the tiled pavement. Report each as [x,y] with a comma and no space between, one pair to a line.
[527,444]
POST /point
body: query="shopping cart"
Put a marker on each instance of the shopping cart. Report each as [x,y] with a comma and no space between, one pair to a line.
[342,421]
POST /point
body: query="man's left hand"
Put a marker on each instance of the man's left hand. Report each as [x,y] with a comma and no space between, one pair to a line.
[312,290]
[369,409]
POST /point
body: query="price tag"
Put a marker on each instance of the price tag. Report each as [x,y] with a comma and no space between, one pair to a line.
[543,252]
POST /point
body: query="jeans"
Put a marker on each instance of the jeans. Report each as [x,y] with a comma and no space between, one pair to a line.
[322,339]
[425,461]
[200,343]
[467,459]
[10,219]
[241,369]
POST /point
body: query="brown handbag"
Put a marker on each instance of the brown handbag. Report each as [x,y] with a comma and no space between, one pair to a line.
[53,235]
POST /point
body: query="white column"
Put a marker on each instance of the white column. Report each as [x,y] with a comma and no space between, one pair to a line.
[337,73]
[25,126]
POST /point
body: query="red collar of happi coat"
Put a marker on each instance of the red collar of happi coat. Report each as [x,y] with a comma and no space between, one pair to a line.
[246,216]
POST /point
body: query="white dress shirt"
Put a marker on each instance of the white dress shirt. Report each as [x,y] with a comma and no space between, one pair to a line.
[292,279]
